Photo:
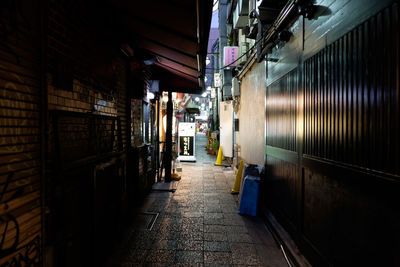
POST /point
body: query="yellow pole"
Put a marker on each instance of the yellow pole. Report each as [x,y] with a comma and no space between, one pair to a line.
[238,180]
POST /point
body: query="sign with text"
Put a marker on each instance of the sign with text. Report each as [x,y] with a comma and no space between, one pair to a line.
[186,145]
[217,79]
[230,55]
[187,132]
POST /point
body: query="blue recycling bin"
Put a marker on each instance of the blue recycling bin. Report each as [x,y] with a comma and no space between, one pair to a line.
[249,199]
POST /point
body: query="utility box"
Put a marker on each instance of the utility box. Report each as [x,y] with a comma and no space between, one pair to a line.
[235,87]
[227,83]
[227,77]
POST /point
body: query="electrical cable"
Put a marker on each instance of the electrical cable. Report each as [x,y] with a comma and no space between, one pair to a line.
[245,53]
[275,26]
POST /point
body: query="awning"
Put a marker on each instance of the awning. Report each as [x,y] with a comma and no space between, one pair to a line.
[176,33]
[192,108]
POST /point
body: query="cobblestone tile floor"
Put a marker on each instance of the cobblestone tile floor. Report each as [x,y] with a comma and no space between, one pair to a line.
[198,225]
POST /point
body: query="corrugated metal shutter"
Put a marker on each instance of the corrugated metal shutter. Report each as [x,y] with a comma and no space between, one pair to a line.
[281,112]
[352,97]
[20,212]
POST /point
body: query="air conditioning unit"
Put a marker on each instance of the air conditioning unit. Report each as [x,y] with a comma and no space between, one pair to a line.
[243,53]
[227,84]
[227,77]
[240,14]
[235,87]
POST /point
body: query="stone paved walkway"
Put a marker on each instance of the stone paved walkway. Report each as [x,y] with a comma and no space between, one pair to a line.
[198,225]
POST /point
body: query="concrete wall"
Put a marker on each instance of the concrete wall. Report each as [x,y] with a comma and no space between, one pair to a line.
[252,115]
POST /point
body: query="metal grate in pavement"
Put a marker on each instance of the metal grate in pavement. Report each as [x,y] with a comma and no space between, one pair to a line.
[146,220]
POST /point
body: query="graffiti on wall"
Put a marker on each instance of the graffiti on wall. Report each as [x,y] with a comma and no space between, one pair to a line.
[29,254]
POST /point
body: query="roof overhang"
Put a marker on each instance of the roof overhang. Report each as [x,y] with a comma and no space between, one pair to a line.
[176,33]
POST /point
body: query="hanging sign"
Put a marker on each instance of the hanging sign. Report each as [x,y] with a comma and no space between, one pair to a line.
[217,79]
[213,93]
[187,132]
[230,55]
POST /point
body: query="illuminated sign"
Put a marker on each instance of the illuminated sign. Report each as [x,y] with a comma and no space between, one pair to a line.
[186,145]
[187,132]
[230,55]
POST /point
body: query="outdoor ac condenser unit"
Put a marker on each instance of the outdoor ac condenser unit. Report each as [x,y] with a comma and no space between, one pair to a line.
[243,53]
[240,14]
[235,87]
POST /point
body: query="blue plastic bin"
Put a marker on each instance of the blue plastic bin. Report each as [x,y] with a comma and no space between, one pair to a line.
[249,199]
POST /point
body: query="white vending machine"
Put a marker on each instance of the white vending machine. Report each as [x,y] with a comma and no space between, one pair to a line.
[186,141]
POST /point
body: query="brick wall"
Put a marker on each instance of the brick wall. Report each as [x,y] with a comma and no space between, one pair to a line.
[84,74]
[86,82]
[136,122]
[82,98]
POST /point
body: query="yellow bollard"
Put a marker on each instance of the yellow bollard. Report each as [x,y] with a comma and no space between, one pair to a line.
[219,158]
[238,180]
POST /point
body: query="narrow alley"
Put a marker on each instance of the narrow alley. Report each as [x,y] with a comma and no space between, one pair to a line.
[198,224]
[199,133]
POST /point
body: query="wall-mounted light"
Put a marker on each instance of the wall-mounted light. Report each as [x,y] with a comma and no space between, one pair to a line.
[197,99]
[204,94]
[150,95]
[207,60]
[165,97]
[306,11]
[149,62]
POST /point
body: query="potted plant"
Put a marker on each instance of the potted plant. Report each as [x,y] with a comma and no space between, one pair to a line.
[215,146]
[209,146]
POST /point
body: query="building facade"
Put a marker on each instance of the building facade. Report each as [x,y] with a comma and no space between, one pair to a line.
[318,107]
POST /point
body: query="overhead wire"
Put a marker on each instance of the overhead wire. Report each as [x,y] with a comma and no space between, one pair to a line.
[275,26]
[245,53]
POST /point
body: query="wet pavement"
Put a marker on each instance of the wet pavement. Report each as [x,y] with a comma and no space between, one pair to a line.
[198,224]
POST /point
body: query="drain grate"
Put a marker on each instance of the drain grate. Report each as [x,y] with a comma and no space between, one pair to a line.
[146,220]
[164,190]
